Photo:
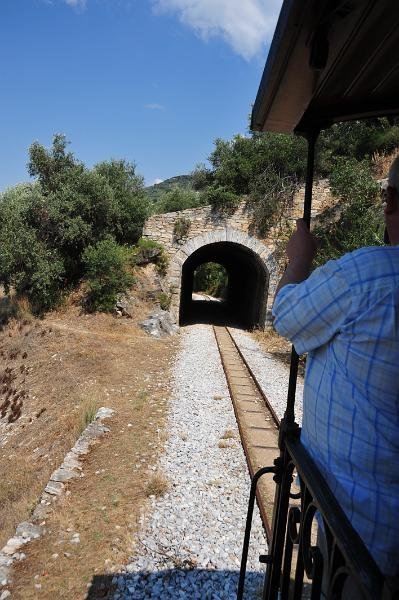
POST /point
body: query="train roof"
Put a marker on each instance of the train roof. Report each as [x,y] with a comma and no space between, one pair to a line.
[330,60]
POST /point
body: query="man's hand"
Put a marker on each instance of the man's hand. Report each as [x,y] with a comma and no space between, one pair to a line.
[301,250]
[302,245]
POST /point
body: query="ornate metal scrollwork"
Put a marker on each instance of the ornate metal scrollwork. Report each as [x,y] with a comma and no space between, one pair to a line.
[321,554]
[312,556]
[294,520]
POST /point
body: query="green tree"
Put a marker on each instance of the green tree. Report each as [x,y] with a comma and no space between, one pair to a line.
[237,164]
[26,264]
[263,168]
[356,139]
[80,206]
[46,227]
[360,222]
[131,203]
[202,177]
[178,199]
[211,278]
[107,274]
[51,167]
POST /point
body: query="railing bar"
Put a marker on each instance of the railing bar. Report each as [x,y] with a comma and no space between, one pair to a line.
[248,527]
[348,541]
[289,415]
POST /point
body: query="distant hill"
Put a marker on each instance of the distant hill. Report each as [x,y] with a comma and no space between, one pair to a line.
[154,192]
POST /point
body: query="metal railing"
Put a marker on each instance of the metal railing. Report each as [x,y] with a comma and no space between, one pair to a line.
[332,564]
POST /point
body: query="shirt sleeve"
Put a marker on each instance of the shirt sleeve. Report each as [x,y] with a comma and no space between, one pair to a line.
[312,312]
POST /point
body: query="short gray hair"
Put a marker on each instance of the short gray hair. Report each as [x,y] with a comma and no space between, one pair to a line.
[393,176]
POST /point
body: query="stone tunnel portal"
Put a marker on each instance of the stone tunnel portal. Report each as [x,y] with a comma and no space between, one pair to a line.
[247,288]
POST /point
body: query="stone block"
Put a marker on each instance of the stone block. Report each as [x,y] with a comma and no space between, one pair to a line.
[29,531]
[64,474]
[231,235]
[54,488]
[13,545]
[4,575]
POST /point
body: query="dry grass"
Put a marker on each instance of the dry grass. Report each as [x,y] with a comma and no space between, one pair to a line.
[13,307]
[229,434]
[88,408]
[158,485]
[381,163]
[272,343]
[18,492]
[69,365]
[225,443]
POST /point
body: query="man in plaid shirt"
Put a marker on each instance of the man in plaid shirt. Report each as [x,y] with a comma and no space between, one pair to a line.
[346,316]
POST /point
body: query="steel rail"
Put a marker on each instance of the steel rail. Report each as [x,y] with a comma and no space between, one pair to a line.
[256,454]
[256,382]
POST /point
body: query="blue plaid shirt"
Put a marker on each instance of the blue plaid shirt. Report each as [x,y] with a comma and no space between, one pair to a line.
[346,316]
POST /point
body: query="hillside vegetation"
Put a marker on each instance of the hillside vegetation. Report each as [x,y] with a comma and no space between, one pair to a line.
[75,224]
[72,223]
[267,169]
[156,191]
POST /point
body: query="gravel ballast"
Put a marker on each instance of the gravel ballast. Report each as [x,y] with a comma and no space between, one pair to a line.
[270,372]
[190,541]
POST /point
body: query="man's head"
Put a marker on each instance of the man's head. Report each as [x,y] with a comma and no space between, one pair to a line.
[392,203]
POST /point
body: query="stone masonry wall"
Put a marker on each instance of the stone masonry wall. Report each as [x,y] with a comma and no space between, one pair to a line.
[203,219]
[207,227]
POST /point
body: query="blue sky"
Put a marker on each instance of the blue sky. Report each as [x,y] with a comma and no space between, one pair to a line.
[151,81]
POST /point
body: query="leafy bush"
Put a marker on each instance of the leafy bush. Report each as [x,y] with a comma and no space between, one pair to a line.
[162,263]
[43,284]
[238,163]
[211,278]
[46,227]
[202,177]
[107,274]
[222,199]
[360,222]
[131,204]
[351,179]
[356,139]
[164,300]
[271,196]
[27,264]
[267,167]
[146,251]
[245,166]
[178,199]
[181,228]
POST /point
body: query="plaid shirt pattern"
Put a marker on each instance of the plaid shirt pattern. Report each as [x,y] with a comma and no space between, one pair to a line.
[346,316]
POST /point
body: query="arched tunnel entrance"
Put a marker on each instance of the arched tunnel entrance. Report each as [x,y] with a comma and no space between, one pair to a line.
[244,303]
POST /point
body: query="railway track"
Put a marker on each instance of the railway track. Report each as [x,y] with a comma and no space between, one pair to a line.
[257,422]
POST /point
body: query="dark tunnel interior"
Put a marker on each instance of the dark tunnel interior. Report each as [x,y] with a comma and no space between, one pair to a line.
[246,295]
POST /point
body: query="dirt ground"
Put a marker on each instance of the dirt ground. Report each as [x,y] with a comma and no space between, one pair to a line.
[56,372]
[279,347]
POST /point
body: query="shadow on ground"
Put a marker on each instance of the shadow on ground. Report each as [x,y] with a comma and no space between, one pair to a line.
[175,584]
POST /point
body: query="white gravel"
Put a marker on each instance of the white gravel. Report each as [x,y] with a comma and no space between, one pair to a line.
[191,541]
[271,373]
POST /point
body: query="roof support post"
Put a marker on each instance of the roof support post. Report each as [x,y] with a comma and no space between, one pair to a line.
[289,430]
[289,415]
